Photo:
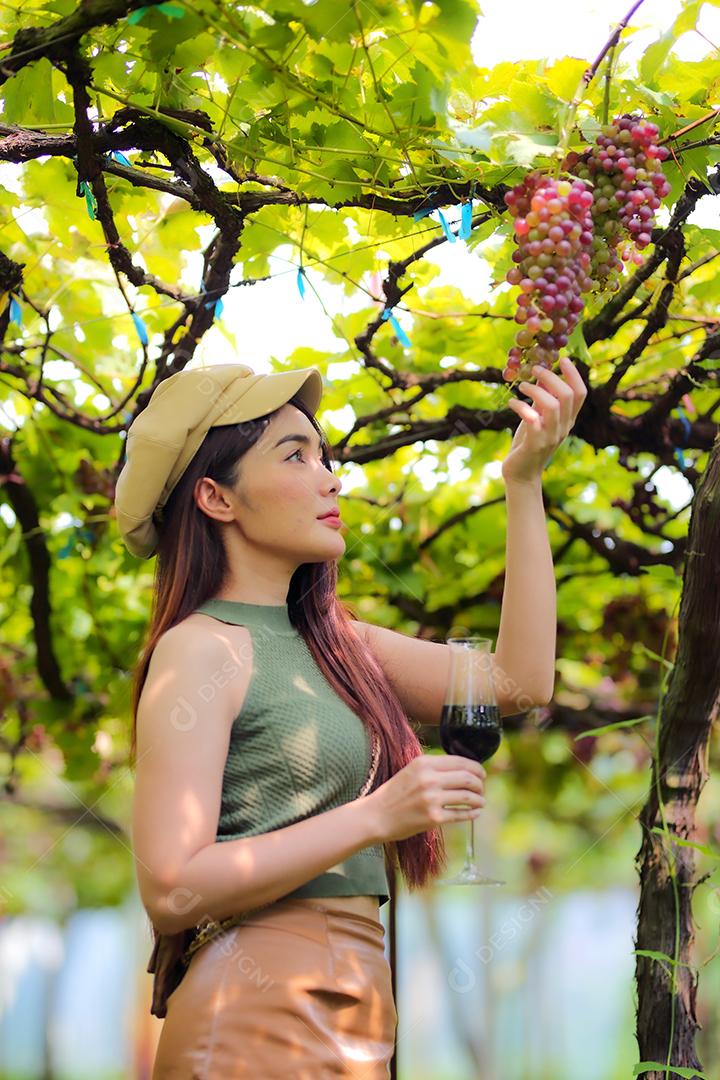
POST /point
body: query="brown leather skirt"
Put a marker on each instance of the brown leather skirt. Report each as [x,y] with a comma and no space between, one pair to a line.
[299,990]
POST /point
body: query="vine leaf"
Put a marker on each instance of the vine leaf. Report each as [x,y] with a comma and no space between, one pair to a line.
[612,727]
[702,848]
[680,1070]
[661,957]
[654,656]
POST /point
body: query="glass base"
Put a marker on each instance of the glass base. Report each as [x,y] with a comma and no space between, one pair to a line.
[470,875]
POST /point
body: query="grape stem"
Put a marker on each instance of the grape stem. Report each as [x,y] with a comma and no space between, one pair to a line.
[588,76]
[608,80]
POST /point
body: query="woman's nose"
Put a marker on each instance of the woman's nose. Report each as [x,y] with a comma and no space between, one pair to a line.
[333,481]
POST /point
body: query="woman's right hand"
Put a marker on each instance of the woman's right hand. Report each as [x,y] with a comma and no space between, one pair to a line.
[416,798]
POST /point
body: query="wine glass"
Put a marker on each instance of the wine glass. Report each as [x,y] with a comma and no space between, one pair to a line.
[470,725]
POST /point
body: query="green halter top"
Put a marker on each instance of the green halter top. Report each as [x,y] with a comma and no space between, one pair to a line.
[296,749]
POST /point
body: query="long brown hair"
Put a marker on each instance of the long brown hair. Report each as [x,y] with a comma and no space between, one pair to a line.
[191,568]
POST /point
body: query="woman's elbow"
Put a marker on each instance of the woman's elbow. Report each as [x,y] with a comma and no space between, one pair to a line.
[169,906]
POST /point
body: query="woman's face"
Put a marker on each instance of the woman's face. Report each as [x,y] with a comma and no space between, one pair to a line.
[282,489]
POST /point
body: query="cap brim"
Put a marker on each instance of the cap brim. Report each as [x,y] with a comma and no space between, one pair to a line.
[304,383]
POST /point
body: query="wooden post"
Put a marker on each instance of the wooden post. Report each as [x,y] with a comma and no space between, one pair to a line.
[393,958]
[667,1020]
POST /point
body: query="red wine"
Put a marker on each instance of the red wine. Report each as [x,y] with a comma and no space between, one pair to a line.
[474,731]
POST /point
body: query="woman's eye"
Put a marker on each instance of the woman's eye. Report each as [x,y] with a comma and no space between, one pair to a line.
[299,451]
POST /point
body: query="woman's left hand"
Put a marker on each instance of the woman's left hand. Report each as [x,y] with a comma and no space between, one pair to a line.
[556,402]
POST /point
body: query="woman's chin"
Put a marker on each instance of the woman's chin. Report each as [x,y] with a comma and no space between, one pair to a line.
[333,547]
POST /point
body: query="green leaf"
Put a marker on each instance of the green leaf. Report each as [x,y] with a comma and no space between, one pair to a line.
[661,957]
[654,656]
[577,346]
[479,137]
[418,100]
[659,97]
[564,77]
[525,150]
[455,20]
[326,20]
[192,30]
[655,56]
[688,16]
[681,842]
[614,727]
[662,572]
[655,1066]
[29,96]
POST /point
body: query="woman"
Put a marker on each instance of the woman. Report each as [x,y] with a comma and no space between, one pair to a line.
[277,775]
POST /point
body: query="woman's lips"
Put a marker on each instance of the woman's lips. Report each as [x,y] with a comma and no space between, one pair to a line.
[332,519]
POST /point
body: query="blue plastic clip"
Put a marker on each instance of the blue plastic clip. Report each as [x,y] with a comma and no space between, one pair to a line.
[83,188]
[465,220]
[423,213]
[680,457]
[15,311]
[140,327]
[446,228]
[173,10]
[399,332]
[67,547]
[685,422]
[216,305]
[119,156]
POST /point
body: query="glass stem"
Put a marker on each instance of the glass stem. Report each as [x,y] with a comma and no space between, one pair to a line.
[470,848]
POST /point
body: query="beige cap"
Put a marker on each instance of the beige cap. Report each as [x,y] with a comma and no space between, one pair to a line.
[163,439]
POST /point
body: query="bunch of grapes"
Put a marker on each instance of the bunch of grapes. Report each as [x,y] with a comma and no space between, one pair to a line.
[573,234]
[554,234]
[624,169]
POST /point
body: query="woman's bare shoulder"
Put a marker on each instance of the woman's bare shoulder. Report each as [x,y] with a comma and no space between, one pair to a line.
[198,629]
[218,654]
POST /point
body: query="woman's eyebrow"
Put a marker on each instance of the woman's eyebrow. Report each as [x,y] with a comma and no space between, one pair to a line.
[298,438]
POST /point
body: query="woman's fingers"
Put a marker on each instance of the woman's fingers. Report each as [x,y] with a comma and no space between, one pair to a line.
[571,392]
[464,799]
[554,396]
[462,778]
[546,405]
[575,383]
[554,387]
